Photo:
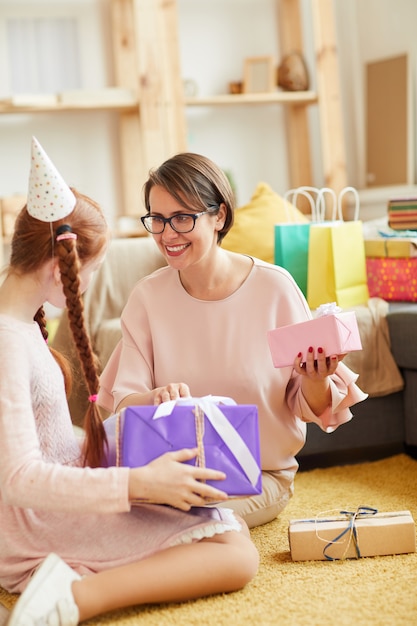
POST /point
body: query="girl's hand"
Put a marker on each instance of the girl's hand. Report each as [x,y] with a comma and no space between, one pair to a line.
[168,480]
[317,367]
[173,391]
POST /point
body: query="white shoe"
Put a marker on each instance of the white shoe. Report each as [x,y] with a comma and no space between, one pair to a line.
[48,599]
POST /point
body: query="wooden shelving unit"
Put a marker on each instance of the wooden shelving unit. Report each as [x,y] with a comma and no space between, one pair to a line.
[146,61]
[333,152]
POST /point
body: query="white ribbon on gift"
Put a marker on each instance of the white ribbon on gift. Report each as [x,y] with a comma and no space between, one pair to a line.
[230,436]
[330,308]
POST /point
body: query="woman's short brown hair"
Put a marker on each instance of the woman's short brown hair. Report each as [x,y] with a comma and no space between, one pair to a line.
[196,183]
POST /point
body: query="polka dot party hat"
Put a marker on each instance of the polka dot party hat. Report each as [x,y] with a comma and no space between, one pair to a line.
[49,197]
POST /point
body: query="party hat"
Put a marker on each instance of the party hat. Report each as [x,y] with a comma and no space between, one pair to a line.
[49,197]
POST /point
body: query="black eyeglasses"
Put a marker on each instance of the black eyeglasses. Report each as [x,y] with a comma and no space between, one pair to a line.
[181,223]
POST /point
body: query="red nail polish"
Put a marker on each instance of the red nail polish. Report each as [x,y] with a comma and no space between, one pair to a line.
[320,350]
[299,354]
[310,349]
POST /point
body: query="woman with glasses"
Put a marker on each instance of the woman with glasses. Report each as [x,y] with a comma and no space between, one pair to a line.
[199,327]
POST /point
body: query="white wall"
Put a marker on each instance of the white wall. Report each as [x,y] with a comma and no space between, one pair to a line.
[370,30]
[83,145]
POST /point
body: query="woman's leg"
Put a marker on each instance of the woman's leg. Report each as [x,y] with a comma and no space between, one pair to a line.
[219,564]
[277,489]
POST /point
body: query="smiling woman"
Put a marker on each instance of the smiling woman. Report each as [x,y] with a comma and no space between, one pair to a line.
[199,327]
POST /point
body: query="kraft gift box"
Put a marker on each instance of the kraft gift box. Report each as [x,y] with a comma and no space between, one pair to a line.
[226,435]
[393,247]
[343,537]
[337,333]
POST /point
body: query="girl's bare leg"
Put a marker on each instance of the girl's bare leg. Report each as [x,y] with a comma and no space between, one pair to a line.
[219,564]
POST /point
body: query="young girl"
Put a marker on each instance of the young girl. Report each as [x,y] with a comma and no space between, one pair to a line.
[70,539]
[199,326]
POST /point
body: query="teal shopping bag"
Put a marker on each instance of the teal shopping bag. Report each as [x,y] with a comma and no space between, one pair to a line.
[291,251]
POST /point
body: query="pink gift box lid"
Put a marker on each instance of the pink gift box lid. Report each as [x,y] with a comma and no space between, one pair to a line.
[336,333]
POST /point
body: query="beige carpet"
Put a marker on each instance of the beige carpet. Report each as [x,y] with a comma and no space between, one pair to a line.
[372,591]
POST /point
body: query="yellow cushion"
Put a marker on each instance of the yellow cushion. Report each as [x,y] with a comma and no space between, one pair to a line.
[253,229]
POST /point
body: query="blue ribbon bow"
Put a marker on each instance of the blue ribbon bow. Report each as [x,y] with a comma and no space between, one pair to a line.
[351,516]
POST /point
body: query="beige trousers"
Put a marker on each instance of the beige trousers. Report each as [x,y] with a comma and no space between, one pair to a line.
[277,489]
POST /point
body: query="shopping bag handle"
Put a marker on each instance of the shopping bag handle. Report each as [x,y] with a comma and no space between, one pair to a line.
[321,205]
[344,191]
[305,191]
[235,443]
[318,206]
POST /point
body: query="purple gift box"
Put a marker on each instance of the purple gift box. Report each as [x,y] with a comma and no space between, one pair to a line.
[227,436]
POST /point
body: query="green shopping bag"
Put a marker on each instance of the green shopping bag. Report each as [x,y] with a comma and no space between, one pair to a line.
[292,240]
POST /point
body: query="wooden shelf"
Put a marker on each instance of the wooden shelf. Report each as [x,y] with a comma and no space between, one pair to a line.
[116,98]
[9,109]
[278,97]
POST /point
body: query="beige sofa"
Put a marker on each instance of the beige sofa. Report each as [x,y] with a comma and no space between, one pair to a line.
[379,421]
[127,260]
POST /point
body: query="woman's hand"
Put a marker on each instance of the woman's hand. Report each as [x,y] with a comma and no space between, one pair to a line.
[315,371]
[317,367]
[168,480]
[173,391]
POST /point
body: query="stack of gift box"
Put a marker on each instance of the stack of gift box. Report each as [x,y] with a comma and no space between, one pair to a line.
[402,213]
[391,257]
